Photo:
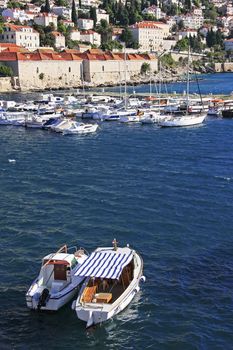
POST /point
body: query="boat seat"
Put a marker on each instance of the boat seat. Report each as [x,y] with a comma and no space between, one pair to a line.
[88,294]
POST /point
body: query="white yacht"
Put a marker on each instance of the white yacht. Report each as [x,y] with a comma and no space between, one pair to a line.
[185,120]
[113,276]
[80,128]
[56,284]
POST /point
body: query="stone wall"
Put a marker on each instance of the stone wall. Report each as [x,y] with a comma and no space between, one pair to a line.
[194,56]
[49,74]
[223,67]
[54,74]
[112,71]
[5,84]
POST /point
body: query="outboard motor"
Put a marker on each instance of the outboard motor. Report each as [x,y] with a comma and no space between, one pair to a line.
[43,299]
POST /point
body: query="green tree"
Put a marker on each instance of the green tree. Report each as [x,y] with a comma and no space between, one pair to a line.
[63,3]
[74,13]
[47,7]
[6,71]
[105,30]
[127,38]
[182,45]
[93,15]
[145,68]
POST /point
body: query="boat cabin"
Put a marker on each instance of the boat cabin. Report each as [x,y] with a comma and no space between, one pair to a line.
[56,270]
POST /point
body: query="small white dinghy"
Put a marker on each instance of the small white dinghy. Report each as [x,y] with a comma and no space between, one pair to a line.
[56,284]
[112,280]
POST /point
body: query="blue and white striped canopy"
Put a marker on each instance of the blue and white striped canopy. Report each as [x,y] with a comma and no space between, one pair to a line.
[107,264]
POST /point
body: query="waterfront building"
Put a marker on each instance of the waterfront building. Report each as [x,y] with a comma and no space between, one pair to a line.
[90,36]
[149,34]
[45,19]
[44,68]
[49,69]
[85,23]
[20,35]
[110,68]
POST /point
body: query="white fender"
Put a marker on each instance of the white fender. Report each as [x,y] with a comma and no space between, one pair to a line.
[143,279]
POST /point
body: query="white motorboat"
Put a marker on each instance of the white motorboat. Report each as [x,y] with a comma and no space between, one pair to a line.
[150,118]
[80,128]
[63,125]
[132,118]
[34,122]
[56,284]
[112,280]
[185,120]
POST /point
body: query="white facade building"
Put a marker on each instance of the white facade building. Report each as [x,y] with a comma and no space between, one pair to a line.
[60,41]
[75,35]
[191,21]
[102,14]
[21,35]
[150,35]
[62,11]
[91,36]
[85,23]
[18,14]
[91,3]
[154,11]
[45,19]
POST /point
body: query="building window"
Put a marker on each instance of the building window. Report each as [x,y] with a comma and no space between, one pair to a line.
[37,70]
[102,68]
[12,36]
[69,69]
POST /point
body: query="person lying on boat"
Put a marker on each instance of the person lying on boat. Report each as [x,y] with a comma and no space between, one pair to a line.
[139,112]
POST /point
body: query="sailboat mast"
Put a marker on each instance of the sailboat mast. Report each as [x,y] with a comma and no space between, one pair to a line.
[125,76]
[188,78]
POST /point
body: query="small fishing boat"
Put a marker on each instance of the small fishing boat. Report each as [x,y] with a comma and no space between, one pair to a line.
[113,276]
[80,128]
[185,120]
[56,284]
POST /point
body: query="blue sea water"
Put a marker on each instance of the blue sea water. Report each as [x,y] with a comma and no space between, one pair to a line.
[220,83]
[166,192]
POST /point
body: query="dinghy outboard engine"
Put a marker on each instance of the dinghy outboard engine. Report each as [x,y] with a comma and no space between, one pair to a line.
[43,299]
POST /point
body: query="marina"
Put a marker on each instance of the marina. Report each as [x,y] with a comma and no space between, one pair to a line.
[165,192]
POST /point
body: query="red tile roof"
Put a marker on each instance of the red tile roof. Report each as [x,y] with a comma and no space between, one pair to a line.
[70,55]
[147,24]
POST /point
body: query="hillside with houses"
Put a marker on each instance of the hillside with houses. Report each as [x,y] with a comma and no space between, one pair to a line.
[109,33]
